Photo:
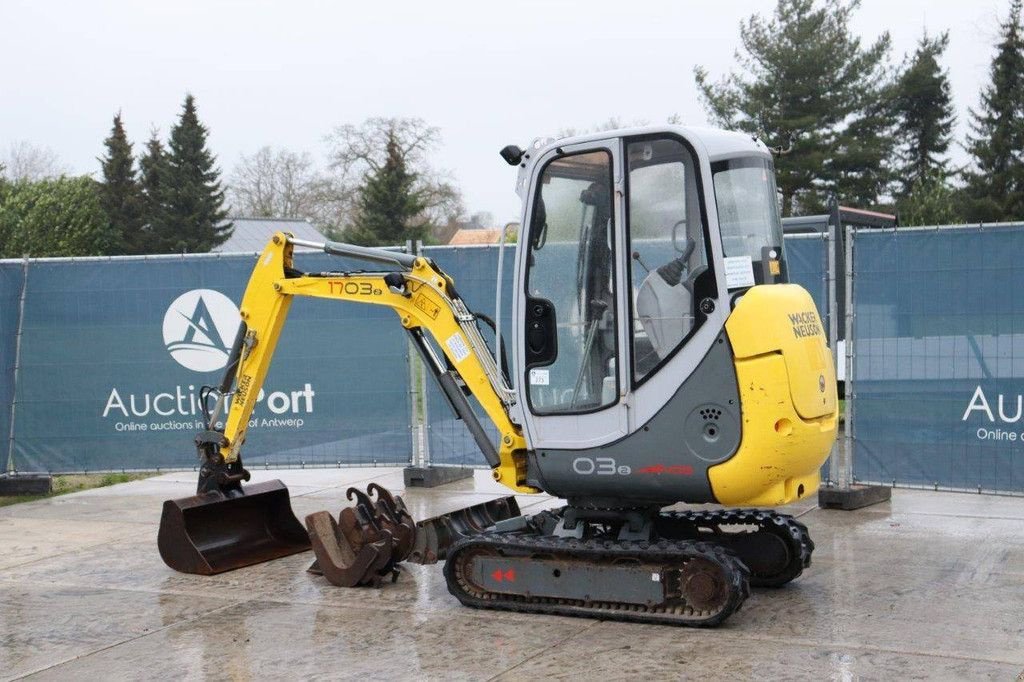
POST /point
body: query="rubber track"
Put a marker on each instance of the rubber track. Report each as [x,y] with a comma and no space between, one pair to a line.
[667,552]
[798,541]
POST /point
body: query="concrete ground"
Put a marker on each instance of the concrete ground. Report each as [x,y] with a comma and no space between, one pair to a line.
[929,586]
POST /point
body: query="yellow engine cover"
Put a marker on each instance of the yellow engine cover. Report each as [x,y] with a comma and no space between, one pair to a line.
[787,388]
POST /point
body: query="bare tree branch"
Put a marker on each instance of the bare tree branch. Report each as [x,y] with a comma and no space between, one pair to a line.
[358,151]
[26,161]
[284,184]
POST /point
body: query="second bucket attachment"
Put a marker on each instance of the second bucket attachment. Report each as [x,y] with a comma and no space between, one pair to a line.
[336,559]
[212,533]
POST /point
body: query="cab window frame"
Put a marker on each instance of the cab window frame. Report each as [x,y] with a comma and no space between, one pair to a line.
[706,285]
[609,149]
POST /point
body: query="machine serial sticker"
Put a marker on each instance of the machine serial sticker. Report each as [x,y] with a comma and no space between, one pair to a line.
[739,272]
[539,377]
[458,347]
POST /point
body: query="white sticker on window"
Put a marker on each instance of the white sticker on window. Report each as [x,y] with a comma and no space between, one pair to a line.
[539,377]
[739,272]
[458,347]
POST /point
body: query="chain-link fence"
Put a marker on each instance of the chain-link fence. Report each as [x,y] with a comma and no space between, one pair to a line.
[113,353]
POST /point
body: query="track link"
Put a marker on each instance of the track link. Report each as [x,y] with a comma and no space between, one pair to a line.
[701,584]
[776,551]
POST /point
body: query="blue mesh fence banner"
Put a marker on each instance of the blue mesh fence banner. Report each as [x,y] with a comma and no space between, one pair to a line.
[939,358]
[11,280]
[807,260]
[114,352]
[474,270]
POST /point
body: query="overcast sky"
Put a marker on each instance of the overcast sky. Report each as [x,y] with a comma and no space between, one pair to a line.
[486,73]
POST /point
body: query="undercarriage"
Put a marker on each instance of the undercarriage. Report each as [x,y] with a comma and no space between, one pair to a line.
[689,568]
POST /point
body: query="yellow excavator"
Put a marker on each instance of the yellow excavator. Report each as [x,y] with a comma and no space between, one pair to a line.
[658,356]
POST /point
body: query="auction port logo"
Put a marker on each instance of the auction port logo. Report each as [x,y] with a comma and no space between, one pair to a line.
[198,326]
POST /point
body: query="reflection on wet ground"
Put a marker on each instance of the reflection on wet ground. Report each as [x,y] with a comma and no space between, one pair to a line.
[927,586]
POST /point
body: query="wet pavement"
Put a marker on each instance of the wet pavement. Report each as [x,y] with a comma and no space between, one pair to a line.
[928,586]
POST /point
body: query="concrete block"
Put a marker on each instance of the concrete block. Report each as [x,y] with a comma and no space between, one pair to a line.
[26,484]
[433,476]
[854,497]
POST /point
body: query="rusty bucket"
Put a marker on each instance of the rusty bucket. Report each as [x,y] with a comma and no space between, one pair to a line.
[212,533]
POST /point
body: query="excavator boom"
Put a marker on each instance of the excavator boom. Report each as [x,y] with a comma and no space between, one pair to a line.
[226,526]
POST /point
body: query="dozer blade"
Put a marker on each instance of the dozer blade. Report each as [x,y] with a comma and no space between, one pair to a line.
[436,535]
[212,533]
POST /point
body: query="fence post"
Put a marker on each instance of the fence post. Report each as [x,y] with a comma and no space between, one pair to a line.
[10,468]
[846,460]
[845,494]
[833,333]
[416,399]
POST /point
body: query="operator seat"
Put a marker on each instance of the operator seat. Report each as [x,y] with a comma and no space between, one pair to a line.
[664,303]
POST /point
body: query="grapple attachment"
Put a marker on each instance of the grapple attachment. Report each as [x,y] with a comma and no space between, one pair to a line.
[212,532]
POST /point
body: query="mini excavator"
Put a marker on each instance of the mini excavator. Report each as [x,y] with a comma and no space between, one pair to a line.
[658,356]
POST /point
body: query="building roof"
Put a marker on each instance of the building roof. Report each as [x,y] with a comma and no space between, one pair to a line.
[485,235]
[475,236]
[252,234]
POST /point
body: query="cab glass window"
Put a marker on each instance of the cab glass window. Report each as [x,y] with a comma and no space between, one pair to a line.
[570,310]
[748,214]
[667,250]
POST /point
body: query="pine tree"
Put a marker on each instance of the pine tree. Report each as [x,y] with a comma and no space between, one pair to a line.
[389,207]
[194,218]
[153,187]
[923,105]
[995,185]
[808,85]
[120,195]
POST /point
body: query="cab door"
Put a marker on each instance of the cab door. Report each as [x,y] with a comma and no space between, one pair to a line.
[570,310]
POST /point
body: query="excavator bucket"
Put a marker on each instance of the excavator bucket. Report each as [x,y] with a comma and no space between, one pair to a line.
[212,533]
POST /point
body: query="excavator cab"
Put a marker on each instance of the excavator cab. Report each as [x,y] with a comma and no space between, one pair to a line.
[640,248]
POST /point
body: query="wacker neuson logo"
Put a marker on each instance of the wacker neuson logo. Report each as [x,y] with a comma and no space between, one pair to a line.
[198,330]
[198,327]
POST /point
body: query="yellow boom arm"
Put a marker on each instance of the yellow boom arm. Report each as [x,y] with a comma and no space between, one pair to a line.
[421,295]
